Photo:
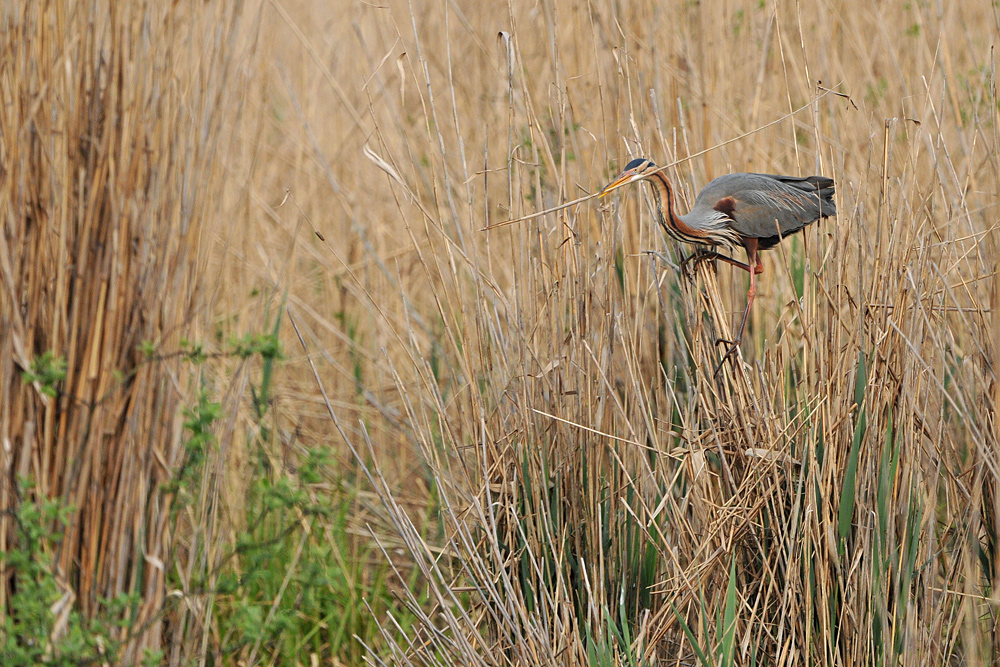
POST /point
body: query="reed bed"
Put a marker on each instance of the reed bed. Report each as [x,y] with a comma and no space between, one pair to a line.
[531,459]
[110,129]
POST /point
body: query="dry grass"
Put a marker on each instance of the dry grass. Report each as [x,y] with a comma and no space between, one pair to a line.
[534,405]
[110,125]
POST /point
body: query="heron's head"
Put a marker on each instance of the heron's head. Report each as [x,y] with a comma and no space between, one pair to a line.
[636,170]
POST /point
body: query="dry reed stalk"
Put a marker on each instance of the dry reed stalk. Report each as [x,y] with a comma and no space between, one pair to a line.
[569,404]
[544,390]
[111,122]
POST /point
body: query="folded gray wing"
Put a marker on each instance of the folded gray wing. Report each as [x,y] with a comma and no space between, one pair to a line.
[766,206]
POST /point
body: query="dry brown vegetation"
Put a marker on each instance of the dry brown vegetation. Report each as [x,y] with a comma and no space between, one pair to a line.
[531,461]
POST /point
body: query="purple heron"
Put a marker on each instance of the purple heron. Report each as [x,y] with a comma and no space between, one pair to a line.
[755,211]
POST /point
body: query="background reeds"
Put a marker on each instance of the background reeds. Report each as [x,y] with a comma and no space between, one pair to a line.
[311,408]
[111,121]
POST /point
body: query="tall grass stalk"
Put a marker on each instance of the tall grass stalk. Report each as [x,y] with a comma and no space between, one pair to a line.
[532,461]
[112,120]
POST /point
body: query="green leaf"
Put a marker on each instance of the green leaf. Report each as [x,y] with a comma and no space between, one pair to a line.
[860,379]
[690,635]
[620,267]
[729,618]
[848,492]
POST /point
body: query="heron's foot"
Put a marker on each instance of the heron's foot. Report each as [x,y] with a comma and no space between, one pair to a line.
[691,262]
[731,350]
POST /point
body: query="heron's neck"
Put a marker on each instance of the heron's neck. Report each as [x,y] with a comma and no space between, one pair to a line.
[669,219]
[674,225]
[664,199]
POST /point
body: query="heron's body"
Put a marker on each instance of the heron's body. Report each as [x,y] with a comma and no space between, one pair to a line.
[755,211]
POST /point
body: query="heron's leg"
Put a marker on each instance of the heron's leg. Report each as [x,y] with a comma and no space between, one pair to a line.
[753,258]
[739,265]
[691,262]
[698,256]
[701,255]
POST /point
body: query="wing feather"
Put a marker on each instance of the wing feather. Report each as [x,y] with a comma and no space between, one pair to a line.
[765,206]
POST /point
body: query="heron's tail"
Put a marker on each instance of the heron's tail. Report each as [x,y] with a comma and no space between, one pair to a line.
[821,186]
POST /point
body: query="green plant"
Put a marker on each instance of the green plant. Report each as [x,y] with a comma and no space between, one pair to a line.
[40,625]
[295,582]
[724,644]
[48,370]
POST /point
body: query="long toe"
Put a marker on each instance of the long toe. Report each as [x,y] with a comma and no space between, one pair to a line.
[691,262]
[731,351]
[730,343]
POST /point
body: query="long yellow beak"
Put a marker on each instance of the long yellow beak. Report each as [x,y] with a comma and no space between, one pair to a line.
[622,179]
